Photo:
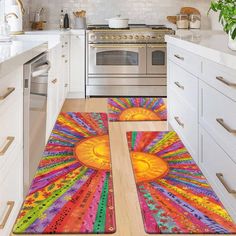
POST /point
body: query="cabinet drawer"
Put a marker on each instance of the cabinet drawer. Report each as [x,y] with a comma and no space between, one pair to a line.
[184,122]
[220,77]
[217,115]
[10,86]
[11,195]
[220,171]
[184,84]
[189,61]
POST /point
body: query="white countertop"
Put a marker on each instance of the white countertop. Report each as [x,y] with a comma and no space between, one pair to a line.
[212,45]
[17,53]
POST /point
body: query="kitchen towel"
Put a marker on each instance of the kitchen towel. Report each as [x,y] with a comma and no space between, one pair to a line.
[174,195]
[137,109]
[72,191]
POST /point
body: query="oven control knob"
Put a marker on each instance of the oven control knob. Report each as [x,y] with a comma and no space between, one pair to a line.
[119,37]
[106,37]
[101,37]
[125,37]
[113,37]
[136,37]
[131,37]
[148,37]
[142,37]
[92,37]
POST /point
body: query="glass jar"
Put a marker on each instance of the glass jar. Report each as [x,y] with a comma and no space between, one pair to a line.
[182,21]
[195,21]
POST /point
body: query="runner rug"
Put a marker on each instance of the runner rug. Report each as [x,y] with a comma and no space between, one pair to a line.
[136,109]
[174,195]
[72,191]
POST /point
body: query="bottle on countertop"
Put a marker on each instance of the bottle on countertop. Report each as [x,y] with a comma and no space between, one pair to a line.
[62,20]
[66,21]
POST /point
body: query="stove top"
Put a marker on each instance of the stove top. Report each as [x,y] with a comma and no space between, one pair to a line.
[131,26]
[135,33]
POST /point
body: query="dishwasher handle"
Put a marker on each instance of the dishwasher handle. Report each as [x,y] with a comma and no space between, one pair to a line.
[42,69]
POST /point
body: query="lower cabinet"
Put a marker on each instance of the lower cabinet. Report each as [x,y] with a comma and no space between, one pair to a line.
[219,169]
[77,66]
[11,196]
[201,109]
[11,148]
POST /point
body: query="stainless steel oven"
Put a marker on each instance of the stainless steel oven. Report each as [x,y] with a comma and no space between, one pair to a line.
[129,62]
[117,59]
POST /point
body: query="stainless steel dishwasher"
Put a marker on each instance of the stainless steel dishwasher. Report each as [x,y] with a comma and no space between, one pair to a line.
[35,108]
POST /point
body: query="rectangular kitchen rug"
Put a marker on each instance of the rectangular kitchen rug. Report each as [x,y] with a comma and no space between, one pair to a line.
[137,109]
[174,195]
[72,191]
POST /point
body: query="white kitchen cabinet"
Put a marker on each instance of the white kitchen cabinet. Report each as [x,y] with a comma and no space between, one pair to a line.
[77,65]
[11,148]
[201,109]
[219,169]
[182,93]
[65,57]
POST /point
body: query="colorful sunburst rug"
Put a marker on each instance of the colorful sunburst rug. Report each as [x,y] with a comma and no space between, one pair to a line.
[174,195]
[72,191]
[136,109]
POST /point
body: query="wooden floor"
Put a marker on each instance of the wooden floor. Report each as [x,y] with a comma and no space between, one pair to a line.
[128,215]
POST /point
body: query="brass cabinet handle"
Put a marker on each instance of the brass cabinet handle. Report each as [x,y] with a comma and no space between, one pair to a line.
[8,144]
[9,91]
[63,56]
[66,43]
[224,81]
[54,81]
[179,57]
[66,61]
[179,122]
[220,176]
[66,85]
[10,205]
[179,85]
[62,46]
[225,126]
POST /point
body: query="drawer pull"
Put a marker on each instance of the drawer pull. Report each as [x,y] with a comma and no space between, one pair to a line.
[223,80]
[179,85]
[179,57]
[6,147]
[220,176]
[54,81]
[10,205]
[179,122]
[9,91]
[225,126]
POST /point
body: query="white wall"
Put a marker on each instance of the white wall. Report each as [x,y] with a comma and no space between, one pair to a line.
[138,11]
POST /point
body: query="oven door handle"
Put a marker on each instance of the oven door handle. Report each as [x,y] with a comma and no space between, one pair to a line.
[156,45]
[118,46]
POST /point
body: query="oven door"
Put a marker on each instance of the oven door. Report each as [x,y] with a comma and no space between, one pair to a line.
[156,59]
[117,59]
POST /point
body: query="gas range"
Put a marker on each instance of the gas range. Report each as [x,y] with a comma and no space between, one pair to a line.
[126,62]
[135,33]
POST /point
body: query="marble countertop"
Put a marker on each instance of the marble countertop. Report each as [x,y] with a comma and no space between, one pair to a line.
[212,45]
[17,53]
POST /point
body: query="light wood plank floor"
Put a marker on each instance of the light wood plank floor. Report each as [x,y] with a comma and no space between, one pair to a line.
[128,215]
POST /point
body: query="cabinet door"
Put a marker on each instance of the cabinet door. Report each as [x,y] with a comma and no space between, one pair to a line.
[77,66]
[53,93]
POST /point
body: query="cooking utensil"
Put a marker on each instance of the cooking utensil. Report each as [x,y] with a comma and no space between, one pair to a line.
[118,22]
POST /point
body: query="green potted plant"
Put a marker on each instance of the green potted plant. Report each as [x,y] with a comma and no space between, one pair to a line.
[227,17]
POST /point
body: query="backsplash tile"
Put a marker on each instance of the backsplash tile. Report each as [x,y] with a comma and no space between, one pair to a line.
[138,11]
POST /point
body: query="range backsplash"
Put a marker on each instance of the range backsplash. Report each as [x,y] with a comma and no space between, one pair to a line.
[138,11]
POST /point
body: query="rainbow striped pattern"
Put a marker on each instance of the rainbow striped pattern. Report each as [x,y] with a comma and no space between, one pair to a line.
[180,200]
[136,109]
[67,196]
